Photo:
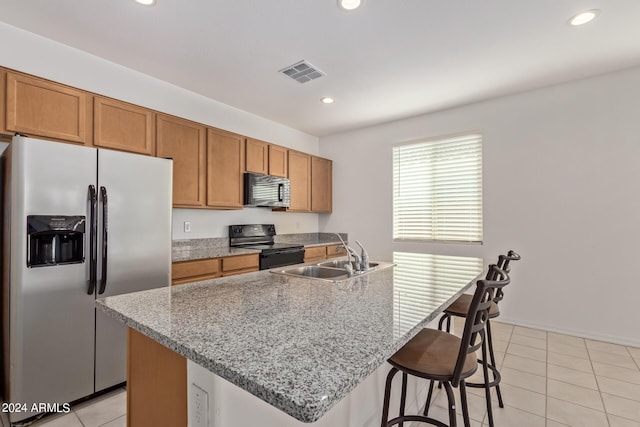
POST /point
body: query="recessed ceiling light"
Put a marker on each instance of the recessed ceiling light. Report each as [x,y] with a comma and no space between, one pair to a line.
[349,4]
[327,100]
[584,17]
[147,2]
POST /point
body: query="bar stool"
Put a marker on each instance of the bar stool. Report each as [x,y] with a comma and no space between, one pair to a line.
[439,356]
[460,308]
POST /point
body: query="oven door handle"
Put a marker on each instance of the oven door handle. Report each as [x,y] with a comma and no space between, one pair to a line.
[283,251]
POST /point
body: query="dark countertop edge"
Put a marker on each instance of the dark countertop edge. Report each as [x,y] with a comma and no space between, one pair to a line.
[305,413]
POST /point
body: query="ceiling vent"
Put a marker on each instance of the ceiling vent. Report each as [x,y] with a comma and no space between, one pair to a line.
[302,72]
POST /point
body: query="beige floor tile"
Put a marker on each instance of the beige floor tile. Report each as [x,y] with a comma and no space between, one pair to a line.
[528,352]
[118,422]
[59,420]
[529,341]
[619,388]
[535,333]
[526,365]
[615,421]
[441,414]
[524,380]
[521,398]
[607,347]
[574,415]
[635,352]
[477,405]
[568,349]
[624,361]
[501,334]
[616,372]
[569,362]
[555,337]
[500,346]
[509,416]
[622,407]
[574,394]
[97,412]
[571,376]
[551,423]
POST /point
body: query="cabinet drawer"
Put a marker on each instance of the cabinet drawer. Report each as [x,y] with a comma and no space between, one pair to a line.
[240,262]
[205,268]
[315,253]
[331,251]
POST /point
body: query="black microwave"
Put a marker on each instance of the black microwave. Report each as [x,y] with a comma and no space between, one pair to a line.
[266,190]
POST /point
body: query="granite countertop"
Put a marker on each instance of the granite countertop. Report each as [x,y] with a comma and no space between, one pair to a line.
[299,344]
[194,249]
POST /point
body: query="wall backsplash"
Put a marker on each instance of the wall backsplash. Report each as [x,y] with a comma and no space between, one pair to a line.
[213,223]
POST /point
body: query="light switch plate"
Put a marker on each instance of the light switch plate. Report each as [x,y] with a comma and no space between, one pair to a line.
[200,409]
[187,227]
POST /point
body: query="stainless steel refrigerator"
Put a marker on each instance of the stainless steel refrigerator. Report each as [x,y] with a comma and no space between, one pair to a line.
[80,223]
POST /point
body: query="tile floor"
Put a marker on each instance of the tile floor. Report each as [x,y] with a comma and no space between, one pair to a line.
[108,410]
[548,380]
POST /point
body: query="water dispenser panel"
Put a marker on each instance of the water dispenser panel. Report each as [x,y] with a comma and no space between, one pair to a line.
[55,239]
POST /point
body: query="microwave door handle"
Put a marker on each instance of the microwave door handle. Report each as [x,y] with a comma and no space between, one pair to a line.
[105,234]
[280,192]
[93,201]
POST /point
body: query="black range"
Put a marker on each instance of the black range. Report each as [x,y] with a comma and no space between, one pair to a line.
[260,237]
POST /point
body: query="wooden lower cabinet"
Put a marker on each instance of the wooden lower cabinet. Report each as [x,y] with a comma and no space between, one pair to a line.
[211,268]
[40,108]
[122,126]
[156,383]
[225,168]
[315,253]
[184,142]
[335,251]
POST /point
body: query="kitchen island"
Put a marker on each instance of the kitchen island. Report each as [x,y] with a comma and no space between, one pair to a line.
[301,345]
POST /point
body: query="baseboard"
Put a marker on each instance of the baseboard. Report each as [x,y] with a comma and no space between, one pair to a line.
[575,332]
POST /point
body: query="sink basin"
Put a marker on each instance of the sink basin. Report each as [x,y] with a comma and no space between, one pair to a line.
[340,263]
[332,271]
[316,272]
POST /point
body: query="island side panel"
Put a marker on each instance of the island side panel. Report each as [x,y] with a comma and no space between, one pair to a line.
[156,383]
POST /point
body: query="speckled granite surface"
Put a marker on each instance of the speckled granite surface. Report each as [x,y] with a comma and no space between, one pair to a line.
[299,344]
[192,249]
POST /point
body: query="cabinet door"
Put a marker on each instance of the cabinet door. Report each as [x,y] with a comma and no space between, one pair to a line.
[300,177]
[184,142]
[256,155]
[278,161]
[321,194]
[38,107]
[3,103]
[225,166]
[123,126]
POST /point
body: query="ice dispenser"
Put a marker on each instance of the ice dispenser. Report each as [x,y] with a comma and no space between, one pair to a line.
[54,240]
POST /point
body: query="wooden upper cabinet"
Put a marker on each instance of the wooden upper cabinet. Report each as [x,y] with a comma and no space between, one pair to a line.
[38,107]
[3,103]
[321,180]
[256,156]
[184,142]
[278,161]
[300,177]
[225,167]
[123,126]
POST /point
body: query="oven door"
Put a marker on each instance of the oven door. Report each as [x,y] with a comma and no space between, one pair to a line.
[281,258]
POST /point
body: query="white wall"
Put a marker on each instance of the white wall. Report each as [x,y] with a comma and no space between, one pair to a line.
[561,186]
[27,52]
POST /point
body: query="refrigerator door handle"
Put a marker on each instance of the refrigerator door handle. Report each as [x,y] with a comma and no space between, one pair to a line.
[93,270]
[105,233]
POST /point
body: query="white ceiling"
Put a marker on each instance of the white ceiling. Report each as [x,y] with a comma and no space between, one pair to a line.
[389,59]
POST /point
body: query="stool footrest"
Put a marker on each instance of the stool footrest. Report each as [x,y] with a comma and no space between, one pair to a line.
[419,418]
[494,383]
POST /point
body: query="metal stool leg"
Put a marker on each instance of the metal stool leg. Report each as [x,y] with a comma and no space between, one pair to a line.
[493,363]
[487,387]
[465,407]
[387,396]
[453,422]
[403,396]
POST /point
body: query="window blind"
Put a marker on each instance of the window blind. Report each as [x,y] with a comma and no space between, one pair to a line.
[437,190]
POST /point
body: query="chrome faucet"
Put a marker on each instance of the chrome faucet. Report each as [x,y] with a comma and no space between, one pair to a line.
[365,257]
[350,253]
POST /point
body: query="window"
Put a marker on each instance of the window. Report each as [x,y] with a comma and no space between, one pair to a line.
[437,190]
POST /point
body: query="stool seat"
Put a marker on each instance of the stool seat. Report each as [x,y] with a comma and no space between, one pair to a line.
[460,307]
[434,354]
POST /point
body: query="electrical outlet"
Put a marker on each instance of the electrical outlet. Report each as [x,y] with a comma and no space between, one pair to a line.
[187,227]
[200,407]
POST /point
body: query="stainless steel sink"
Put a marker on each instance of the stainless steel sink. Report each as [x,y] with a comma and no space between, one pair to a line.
[332,271]
[340,263]
[315,272]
